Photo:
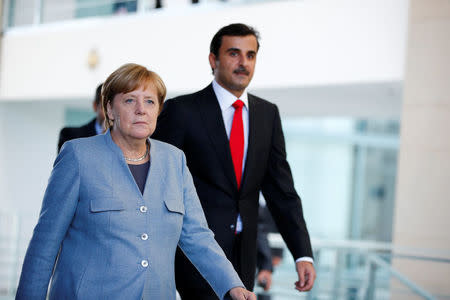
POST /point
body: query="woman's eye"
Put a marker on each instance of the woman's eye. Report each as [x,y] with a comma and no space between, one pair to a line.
[128,100]
[150,101]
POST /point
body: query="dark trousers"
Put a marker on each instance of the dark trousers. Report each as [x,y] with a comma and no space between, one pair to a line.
[190,284]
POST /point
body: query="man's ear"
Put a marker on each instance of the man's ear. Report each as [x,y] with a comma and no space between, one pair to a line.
[94,106]
[212,61]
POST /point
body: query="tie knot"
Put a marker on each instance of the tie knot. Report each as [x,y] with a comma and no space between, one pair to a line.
[238,104]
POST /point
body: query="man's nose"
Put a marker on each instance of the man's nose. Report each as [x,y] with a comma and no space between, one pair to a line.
[243,60]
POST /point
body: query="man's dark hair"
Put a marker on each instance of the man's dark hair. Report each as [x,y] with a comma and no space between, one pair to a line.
[236,29]
[98,94]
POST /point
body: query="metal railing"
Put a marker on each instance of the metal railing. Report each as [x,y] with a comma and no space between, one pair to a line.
[375,262]
[356,270]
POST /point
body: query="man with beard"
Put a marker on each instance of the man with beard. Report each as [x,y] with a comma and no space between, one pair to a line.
[235,148]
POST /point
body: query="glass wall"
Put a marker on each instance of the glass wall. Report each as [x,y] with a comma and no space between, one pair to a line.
[344,171]
[29,12]
[32,12]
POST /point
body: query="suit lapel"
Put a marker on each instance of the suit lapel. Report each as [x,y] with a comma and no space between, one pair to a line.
[213,122]
[254,118]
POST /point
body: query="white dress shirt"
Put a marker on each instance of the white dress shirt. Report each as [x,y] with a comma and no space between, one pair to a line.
[226,100]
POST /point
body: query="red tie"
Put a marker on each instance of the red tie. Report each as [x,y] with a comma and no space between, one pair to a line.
[237,140]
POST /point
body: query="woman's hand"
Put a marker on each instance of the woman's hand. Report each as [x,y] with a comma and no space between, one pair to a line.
[239,293]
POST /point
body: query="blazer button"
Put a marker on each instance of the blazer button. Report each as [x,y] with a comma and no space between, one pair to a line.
[144,263]
[143,208]
[144,236]
[232,226]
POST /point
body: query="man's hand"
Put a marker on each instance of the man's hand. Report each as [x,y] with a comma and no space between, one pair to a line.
[264,279]
[239,293]
[306,276]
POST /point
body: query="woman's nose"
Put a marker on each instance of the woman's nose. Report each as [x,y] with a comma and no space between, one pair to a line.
[139,107]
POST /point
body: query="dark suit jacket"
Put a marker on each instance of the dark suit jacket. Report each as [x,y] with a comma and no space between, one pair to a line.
[70,133]
[194,124]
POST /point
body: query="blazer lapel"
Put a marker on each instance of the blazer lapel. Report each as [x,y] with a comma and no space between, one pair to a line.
[157,167]
[213,122]
[120,170]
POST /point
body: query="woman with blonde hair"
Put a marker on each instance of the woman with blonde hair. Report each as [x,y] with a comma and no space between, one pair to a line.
[116,207]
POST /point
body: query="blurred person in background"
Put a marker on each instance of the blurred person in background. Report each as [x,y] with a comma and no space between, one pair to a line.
[94,127]
[268,256]
[263,258]
[235,148]
[269,226]
[116,207]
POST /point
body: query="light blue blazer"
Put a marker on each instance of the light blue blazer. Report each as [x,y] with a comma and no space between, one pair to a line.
[113,242]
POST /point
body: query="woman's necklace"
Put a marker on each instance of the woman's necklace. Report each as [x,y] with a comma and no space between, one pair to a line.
[139,158]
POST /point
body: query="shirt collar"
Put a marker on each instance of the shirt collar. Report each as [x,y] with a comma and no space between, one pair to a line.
[225,98]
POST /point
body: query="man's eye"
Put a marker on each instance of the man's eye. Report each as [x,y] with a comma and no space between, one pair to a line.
[128,100]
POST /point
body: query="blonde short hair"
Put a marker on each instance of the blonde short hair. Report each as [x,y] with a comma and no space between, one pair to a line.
[127,78]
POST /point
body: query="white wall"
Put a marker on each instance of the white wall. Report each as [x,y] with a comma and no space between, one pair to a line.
[422,205]
[28,139]
[3,190]
[303,43]
[362,100]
